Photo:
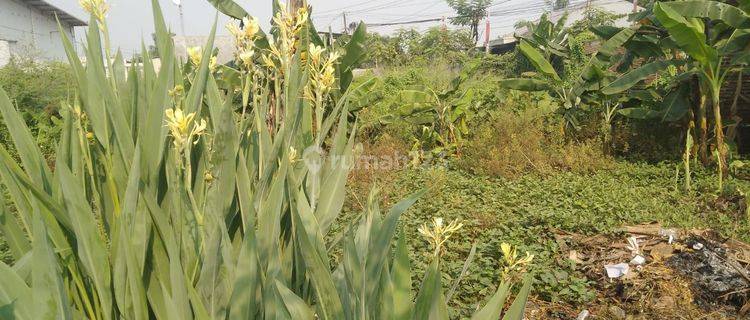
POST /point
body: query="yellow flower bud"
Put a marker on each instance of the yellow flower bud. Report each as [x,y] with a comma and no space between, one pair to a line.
[195,54]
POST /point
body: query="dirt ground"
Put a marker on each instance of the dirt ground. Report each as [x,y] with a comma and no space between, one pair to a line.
[696,275]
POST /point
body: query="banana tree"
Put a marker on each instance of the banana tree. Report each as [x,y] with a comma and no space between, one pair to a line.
[713,35]
[165,203]
[571,88]
[551,37]
[439,116]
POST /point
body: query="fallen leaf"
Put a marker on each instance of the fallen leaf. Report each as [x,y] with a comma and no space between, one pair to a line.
[662,251]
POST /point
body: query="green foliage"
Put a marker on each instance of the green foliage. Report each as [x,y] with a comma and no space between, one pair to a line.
[37,86]
[529,210]
[408,47]
[164,202]
[38,89]
[469,13]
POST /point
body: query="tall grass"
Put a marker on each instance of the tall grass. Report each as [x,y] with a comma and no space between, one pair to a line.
[198,191]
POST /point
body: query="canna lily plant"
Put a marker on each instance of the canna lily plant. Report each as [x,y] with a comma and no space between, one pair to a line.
[166,202]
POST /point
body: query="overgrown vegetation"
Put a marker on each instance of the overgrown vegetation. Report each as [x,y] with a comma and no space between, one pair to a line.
[233,178]
[210,192]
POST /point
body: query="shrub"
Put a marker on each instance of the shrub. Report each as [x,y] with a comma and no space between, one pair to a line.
[37,86]
[38,89]
[512,144]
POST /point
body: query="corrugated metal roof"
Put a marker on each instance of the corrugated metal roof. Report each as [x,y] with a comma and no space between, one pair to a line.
[48,8]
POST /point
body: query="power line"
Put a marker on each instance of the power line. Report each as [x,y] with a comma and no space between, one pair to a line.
[389,6]
[533,7]
[338,10]
[424,9]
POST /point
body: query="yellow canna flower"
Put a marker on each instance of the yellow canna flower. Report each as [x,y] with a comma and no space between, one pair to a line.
[292,154]
[511,261]
[199,129]
[97,8]
[251,27]
[316,53]
[328,78]
[179,127]
[246,57]
[439,233]
[177,92]
[196,55]
[302,15]
[235,31]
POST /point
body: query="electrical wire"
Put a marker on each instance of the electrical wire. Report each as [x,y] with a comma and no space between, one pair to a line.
[338,10]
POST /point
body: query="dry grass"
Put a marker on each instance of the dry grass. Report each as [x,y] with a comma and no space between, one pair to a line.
[512,145]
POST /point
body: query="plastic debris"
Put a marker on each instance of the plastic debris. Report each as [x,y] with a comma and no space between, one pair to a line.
[638,260]
[615,271]
[698,246]
[583,315]
[633,246]
[670,234]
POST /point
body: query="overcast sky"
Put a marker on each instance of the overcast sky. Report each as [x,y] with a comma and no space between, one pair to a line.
[131,20]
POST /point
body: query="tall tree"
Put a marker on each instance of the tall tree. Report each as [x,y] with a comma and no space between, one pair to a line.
[469,13]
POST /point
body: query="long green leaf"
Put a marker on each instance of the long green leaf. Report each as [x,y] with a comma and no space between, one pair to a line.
[296,307]
[525,84]
[230,8]
[516,310]
[610,47]
[50,299]
[688,33]
[15,292]
[631,78]
[713,10]
[494,308]
[401,274]
[538,60]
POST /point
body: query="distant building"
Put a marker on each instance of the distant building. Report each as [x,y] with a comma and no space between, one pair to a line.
[29,27]
[575,13]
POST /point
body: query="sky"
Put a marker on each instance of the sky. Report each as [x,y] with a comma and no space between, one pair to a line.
[131,21]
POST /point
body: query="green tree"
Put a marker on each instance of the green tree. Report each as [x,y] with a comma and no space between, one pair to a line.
[470,13]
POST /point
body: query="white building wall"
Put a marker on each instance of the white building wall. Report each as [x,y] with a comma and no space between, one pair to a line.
[29,32]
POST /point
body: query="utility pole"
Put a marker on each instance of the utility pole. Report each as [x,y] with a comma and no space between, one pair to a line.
[182,20]
[178,3]
[330,36]
[487,30]
[635,6]
[346,26]
[445,25]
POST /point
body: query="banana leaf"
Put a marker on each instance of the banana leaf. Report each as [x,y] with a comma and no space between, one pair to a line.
[713,10]
[538,60]
[631,78]
[688,34]
[229,8]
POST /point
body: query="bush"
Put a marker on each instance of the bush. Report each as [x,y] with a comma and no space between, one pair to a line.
[409,47]
[37,86]
[37,89]
[511,145]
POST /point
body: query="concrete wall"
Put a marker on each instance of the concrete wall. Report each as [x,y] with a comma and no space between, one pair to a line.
[26,31]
